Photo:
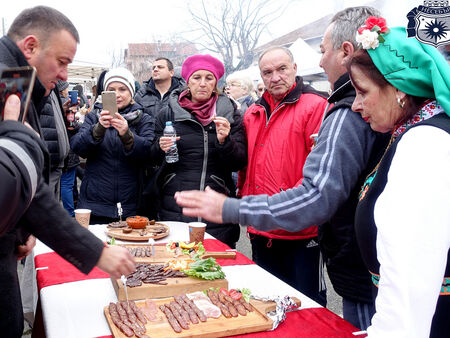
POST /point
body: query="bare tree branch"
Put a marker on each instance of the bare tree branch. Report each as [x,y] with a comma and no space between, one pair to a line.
[233,28]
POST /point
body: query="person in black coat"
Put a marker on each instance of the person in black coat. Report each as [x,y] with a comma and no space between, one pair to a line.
[34,210]
[115,149]
[211,142]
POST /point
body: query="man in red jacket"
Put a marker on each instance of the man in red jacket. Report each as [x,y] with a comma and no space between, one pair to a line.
[279,128]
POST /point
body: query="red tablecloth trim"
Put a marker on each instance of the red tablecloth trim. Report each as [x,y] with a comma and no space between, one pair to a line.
[307,323]
[59,271]
[215,245]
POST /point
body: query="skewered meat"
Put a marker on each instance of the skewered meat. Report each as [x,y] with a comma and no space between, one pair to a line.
[247,306]
[171,318]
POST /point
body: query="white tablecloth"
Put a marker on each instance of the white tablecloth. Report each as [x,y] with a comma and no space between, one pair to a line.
[76,309]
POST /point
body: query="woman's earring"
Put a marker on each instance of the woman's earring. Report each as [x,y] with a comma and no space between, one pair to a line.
[400,102]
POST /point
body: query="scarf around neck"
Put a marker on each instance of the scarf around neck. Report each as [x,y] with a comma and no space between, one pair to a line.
[203,111]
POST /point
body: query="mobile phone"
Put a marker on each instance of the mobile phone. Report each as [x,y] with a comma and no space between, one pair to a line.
[18,81]
[109,102]
[73,95]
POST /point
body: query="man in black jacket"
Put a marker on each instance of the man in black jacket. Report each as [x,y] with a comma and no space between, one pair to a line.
[154,94]
[46,39]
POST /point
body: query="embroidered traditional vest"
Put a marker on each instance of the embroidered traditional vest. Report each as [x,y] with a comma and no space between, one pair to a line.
[366,230]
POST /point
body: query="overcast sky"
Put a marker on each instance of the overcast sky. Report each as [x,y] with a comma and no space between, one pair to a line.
[106,27]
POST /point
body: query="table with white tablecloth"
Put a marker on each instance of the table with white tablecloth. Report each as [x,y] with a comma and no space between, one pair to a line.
[75,309]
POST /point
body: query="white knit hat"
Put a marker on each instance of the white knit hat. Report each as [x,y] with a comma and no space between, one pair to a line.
[122,75]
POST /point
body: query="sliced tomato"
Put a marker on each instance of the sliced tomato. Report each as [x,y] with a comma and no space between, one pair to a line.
[224,291]
[173,246]
[235,294]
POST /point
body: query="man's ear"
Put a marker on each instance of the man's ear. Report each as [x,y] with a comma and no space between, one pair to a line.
[348,49]
[29,46]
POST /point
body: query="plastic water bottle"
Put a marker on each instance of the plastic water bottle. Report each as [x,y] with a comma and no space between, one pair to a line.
[172,153]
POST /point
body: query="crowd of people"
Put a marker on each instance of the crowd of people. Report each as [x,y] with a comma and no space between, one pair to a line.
[353,199]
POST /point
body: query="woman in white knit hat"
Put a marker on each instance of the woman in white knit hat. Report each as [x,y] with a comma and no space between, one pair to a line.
[115,148]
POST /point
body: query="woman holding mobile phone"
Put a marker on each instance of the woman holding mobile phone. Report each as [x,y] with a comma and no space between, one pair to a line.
[114,148]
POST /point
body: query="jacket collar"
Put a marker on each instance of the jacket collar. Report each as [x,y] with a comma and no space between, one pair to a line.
[151,87]
[343,89]
[294,95]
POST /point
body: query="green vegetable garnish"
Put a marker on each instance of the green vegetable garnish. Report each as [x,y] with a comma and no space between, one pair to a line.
[245,294]
[205,269]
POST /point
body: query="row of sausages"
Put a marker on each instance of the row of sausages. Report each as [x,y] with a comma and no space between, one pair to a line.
[228,306]
[128,318]
[181,312]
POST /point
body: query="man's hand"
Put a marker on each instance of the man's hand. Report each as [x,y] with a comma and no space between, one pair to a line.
[206,204]
[12,110]
[116,261]
[25,250]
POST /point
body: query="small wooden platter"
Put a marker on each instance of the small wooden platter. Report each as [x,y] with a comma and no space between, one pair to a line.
[162,255]
[135,234]
[174,286]
[255,321]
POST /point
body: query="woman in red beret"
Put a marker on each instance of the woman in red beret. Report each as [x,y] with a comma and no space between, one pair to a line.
[211,143]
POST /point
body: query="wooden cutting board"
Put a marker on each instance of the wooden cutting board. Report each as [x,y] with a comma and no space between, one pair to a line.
[134,235]
[255,321]
[162,255]
[174,286]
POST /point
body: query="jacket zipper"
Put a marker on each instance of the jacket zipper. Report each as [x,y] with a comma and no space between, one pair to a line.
[205,162]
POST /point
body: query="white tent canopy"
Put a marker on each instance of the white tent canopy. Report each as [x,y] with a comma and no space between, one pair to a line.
[82,71]
[307,59]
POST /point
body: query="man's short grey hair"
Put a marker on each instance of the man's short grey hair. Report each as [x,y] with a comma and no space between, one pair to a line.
[347,22]
[284,49]
[41,21]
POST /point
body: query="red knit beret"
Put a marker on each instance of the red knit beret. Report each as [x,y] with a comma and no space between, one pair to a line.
[202,62]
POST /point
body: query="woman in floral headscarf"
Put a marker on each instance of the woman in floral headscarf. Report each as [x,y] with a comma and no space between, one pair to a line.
[403,217]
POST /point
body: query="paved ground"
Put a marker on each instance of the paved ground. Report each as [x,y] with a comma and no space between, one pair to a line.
[243,246]
[334,301]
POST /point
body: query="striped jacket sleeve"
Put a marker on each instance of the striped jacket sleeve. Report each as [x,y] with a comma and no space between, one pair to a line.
[21,164]
[330,173]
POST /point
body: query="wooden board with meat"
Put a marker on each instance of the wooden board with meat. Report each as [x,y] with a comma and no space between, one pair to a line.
[155,231]
[144,253]
[180,316]
[156,281]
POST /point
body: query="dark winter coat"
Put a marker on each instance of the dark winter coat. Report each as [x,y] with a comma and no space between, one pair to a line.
[202,160]
[43,216]
[337,238]
[112,173]
[150,98]
[48,125]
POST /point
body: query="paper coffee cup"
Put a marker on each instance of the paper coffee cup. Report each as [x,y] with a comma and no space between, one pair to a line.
[83,216]
[196,232]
